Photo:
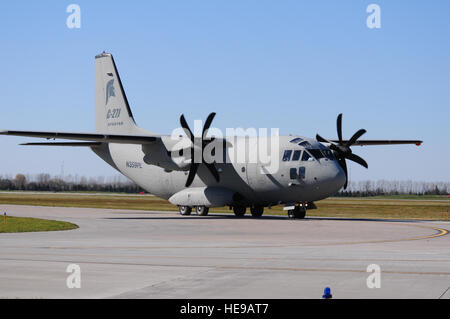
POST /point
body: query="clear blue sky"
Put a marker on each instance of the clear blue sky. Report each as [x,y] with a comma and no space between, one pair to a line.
[288,64]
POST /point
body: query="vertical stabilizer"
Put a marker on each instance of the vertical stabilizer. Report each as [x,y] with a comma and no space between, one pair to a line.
[112,111]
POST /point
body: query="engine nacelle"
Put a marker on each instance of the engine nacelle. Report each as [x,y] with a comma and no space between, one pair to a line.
[158,154]
[203,196]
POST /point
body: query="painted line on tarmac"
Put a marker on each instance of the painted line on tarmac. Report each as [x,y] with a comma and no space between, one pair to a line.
[440,232]
[197,257]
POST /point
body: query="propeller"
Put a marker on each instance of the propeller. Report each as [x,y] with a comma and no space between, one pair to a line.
[342,149]
[204,142]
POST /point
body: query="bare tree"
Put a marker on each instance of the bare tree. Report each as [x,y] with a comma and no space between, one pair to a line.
[20,181]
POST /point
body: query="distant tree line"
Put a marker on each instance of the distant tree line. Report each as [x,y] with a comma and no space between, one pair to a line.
[386,187]
[46,182]
[118,183]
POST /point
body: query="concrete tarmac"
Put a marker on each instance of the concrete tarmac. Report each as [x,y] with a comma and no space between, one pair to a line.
[144,254]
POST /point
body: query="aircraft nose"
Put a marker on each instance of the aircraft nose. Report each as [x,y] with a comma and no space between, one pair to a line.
[339,176]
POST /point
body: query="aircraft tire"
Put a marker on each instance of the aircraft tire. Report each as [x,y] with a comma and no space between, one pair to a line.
[297,213]
[185,210]
[257,211]
[202,210]
[239,211]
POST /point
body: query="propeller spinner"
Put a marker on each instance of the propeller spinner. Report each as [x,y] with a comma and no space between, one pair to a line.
[204,142]
[342,149]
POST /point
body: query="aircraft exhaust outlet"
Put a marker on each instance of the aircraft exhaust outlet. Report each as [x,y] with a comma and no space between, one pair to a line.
[203,196]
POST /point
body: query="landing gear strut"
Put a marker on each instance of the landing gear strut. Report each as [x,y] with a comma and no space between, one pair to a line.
[298,212]
[239,211]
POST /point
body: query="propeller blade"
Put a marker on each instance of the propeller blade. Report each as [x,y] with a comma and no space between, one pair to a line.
[186,128]
[342,151]
[213,171]
[335,148]
[355,136]
[339,127]
[203,142]
[321,139]
[344,167]
[357,159]
[208,124]
[192,172]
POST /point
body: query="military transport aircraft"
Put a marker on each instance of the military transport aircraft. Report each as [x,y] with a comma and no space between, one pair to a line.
[177,167]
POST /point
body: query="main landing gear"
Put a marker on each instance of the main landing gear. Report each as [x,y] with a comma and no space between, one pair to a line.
[187,210]
[256,211]
[239,211]
[298,212]
[202,210]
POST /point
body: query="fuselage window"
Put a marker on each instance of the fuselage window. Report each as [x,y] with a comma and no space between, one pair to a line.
[296,155]
[302,172]
[306,157]
[287,155]
[293,173]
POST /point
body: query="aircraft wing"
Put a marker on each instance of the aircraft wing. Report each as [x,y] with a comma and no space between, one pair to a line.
[381,142]
[91,137]
[79,144]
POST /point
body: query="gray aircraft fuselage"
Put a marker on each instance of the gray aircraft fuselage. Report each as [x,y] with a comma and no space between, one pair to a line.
[322,177]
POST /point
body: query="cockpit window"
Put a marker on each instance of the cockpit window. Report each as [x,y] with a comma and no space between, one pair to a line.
[328,154]
[317,154]
[296,155]
[304,144]
[287,155]
[296,140]
[306,157]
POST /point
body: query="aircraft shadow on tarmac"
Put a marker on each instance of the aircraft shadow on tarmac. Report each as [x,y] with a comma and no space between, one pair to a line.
[211,216]
[269,217]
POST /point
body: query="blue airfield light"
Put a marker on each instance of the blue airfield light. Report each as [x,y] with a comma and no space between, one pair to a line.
[327,293]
